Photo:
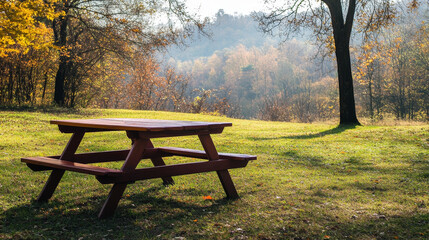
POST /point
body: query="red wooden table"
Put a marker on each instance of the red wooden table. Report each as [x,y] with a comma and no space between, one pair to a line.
[140,131]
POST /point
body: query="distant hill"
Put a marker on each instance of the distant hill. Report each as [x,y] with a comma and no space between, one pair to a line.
[227,31]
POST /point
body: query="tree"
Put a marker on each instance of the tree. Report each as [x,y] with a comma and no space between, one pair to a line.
[370,65]
[407,92]
[332,22]
[114,26]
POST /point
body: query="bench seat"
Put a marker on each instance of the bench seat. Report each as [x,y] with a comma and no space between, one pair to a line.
[107,175]
[201,154]
[46,163]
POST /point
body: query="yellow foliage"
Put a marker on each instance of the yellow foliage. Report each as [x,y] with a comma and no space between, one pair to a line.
[19,28]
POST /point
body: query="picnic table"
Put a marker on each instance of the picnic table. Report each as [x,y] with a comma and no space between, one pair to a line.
[140,131]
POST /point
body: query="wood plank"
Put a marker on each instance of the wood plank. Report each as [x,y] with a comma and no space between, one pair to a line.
[56,174]
[72,129]
[136,124]
[38,168]
[223,174]
[113,156]
[70,166]
[209,147]
[112,200]
[172,170]
[135,154]
[50,185]
[178,133]
[201,154]
[95,157]
[158,161]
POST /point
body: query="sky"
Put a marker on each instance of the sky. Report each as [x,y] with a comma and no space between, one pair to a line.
[208,8]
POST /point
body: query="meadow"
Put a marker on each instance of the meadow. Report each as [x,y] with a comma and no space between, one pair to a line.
[311,181]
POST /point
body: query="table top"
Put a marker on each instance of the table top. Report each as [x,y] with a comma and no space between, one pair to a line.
[137,124]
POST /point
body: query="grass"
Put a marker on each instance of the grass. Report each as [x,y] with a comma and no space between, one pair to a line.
[311,181]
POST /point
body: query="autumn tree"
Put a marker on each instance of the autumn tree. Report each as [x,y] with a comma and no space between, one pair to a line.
[332,22]
[109,87]
[390,67]
[174,91]
[371,62]
[144,83]
[407,94]
[113,26]
[25,50]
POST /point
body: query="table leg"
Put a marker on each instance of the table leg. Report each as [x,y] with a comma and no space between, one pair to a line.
[158,161]
[130,164]
[51,185]
[223,175]
[57,174]
[112,201]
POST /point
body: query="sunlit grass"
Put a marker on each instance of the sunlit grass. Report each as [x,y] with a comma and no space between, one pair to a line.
[312,181]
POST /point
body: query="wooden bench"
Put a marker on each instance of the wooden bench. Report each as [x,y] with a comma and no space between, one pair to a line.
[80,164]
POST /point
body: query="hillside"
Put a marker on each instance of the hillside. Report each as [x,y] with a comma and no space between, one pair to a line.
[312,181]
[225,32]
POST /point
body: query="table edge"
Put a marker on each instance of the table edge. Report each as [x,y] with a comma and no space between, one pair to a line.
[71,123]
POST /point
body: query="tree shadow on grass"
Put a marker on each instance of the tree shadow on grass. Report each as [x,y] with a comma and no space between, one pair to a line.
[318,162]
[401,226]
[336,130]
[304,159]
[143,215]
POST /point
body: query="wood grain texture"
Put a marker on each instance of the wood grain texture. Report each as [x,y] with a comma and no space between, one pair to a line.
[224,177]
[201,154]
[71,166]
[56,174]
[173,170]
[135,124]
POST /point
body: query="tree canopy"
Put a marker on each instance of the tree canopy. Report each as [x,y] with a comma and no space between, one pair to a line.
[21,25]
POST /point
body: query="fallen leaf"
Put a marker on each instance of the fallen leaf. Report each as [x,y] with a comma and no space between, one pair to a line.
[207,198]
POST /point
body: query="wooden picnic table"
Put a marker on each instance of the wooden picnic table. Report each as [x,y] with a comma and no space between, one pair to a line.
[140,131]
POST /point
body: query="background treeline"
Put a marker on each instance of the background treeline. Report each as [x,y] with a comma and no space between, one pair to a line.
[296,82]
[268,82]
[239,72]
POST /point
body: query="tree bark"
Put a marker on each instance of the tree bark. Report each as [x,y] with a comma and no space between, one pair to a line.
[61,41]
[59,95]
[345,80]
[342,32]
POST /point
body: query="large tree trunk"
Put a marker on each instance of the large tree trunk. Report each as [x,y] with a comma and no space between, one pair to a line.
[345,80]
[342,32]
[60,34]
[59,95]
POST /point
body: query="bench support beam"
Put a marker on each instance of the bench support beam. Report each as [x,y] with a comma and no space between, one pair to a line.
[223,175]
[57,174]
[172,170]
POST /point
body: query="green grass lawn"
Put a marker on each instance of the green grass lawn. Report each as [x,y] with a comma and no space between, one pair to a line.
[311,181]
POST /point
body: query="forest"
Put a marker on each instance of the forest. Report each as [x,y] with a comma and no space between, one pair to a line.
[108,59]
